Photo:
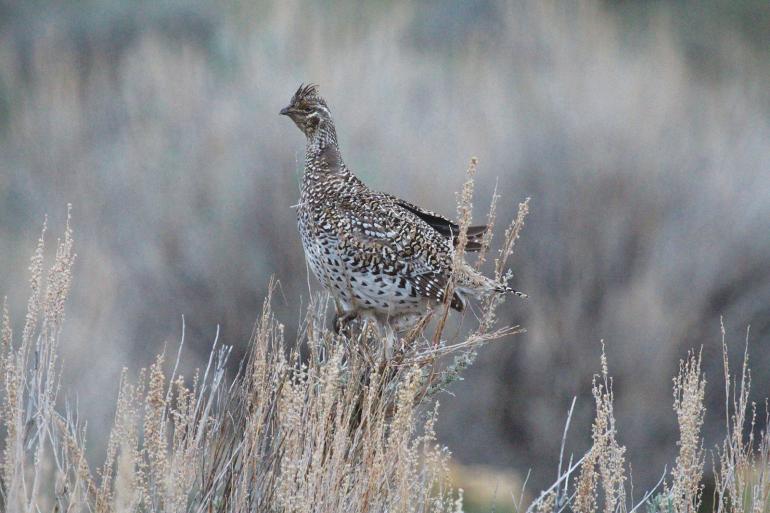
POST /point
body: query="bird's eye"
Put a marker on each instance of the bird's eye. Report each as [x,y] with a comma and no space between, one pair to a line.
[307,110]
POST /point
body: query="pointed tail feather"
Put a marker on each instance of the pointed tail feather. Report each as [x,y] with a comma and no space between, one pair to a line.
[504,289]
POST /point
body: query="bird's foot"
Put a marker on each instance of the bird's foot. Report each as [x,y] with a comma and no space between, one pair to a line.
[342,323]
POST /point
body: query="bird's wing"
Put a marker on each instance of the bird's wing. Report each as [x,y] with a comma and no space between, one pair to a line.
[395,241]
[443,225]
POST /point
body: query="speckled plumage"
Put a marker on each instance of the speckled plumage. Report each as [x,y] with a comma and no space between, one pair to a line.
[375,253]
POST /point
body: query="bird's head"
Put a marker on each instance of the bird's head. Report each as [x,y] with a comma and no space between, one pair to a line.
[308,110]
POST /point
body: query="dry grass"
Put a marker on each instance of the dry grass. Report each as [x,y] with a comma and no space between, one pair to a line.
[741,462]
[324,424]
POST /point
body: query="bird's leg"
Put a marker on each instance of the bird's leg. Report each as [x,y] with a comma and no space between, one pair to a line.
[342,317]
[342,320]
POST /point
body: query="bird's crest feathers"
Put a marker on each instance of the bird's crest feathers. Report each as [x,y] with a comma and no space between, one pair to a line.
[306,93]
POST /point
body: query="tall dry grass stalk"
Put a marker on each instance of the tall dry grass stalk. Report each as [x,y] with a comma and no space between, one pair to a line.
[35,453]
[689,390]
[327,423]
[742,465]
[606,455]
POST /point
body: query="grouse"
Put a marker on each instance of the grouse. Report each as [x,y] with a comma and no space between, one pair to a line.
[378,255]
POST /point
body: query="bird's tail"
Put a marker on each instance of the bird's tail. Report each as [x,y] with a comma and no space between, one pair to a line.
[472,282]
[504,289]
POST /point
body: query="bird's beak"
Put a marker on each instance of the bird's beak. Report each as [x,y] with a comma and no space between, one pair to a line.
[285,111]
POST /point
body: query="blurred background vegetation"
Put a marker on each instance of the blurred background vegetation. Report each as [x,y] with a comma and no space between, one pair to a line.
[641,130]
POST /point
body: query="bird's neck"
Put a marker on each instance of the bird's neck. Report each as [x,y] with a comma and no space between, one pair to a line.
[323,137]
[326,175]
[322,153]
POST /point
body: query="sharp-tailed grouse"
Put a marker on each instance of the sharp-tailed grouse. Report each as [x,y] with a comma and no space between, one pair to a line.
[377,254]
